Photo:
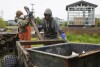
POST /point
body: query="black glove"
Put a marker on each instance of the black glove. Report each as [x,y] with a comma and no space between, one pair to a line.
[30,14]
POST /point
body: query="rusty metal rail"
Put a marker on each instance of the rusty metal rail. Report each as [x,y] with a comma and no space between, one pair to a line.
[46,42]
[24,57]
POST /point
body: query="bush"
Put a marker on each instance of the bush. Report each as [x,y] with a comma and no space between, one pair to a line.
[3,24]
[65,24]
[39,20]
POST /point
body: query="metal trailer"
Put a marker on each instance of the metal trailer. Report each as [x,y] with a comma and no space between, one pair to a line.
[24,57]
[58,55]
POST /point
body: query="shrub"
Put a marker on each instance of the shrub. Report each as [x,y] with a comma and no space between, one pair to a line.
[3,24]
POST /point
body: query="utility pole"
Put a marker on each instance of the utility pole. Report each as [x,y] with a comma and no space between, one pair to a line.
[33,9]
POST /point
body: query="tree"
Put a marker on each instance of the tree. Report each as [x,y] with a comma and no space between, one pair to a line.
[3,23]
[65,24]
[39,20]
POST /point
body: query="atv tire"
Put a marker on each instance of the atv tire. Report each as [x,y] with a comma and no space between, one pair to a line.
[10,61]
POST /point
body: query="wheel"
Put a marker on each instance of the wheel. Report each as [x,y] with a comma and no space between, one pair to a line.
[10,61]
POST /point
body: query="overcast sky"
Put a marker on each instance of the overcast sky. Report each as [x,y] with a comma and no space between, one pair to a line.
[9,7]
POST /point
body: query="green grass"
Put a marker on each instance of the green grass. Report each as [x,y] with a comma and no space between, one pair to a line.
[37,45]
[12,27]
[85,38]
[95,39]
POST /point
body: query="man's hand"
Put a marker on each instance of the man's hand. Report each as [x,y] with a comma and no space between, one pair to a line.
[63,36]
[30,14]
[40,27]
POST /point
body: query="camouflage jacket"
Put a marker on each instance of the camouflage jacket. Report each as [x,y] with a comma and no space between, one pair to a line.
[22,22]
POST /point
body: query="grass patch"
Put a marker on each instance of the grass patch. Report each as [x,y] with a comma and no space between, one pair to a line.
[12,27]
[85,38]
[95,39]
[37,45]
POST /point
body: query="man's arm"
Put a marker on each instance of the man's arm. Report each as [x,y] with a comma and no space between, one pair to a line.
[58,29]
[21,21]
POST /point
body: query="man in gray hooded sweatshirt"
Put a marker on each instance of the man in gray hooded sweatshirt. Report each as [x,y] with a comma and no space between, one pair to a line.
[50,26]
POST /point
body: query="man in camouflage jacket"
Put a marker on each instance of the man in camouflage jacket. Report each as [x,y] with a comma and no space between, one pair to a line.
[24,28]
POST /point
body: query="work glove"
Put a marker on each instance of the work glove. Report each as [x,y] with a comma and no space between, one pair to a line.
[63,36]
[39,27]
[30,14]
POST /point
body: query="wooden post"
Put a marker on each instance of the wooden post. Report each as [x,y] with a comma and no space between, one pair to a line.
[36,29]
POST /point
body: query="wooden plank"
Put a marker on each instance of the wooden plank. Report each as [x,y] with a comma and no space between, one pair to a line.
[33,23]
[36,29]
[42,42]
